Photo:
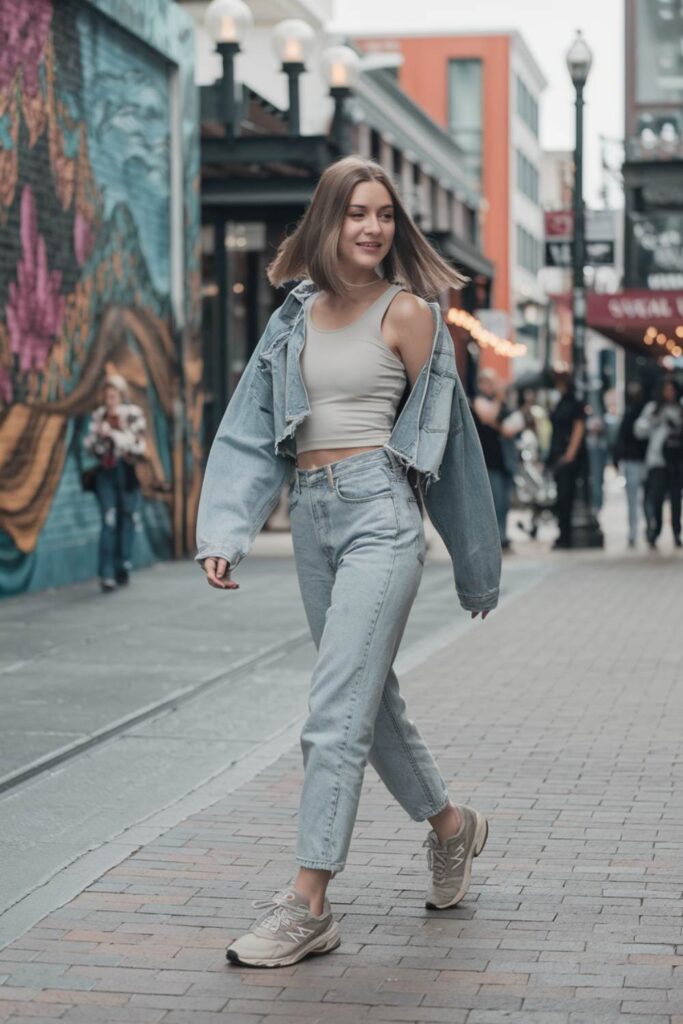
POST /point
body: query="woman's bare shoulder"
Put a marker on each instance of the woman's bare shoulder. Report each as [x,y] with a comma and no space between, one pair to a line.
[409,314]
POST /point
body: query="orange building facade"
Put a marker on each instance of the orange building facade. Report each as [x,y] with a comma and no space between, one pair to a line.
[485,89]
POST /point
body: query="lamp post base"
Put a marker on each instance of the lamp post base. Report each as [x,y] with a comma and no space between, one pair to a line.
[586,530]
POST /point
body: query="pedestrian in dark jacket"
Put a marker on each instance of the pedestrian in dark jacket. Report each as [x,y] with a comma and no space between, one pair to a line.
[567,455]
[497,426]
[629,456]
[661,423]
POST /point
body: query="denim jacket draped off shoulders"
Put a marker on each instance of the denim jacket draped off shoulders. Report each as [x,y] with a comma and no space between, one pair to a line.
[253,453]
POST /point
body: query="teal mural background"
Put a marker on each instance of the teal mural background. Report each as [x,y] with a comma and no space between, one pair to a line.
[88,116]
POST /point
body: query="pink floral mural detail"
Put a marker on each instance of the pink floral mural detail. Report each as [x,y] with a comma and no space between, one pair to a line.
[24,30]
[35,307]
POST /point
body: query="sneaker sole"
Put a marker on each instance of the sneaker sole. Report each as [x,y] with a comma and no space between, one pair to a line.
[324,943]
[480,836]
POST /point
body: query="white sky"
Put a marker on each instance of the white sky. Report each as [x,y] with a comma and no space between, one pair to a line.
[548,27]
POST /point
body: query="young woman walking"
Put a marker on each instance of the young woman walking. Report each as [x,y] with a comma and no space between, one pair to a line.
[116,436]
[352,393]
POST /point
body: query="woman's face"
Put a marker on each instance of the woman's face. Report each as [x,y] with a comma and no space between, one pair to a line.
[368,228]
[112,398]
[668,392]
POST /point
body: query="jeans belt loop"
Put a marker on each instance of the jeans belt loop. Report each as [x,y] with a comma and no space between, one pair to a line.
[330,478]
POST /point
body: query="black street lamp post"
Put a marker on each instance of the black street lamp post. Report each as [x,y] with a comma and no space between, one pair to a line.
[293,41]
[586,532]
[228,52]
[227,22]
[293,70]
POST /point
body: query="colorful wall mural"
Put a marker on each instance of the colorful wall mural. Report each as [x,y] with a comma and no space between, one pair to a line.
[89,116]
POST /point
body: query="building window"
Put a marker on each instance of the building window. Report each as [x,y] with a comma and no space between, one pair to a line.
[375,145]
[529,251]
[527,107]
[527,178]
[465,113]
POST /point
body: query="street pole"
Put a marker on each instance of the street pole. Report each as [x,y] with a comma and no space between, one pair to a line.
[294,70]
[340,128]
[228,52]
[586,532]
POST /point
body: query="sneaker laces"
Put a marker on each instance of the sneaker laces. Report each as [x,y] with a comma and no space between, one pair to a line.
[280,912]
[437,859]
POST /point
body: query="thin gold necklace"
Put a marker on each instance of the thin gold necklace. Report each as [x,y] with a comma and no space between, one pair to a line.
[350,284]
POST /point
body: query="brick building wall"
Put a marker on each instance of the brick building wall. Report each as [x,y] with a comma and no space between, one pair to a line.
[99,216]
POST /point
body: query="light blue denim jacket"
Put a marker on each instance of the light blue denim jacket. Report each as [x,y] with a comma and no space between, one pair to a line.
[253,454]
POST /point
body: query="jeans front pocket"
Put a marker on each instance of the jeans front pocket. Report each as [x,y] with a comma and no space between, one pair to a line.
[363,487]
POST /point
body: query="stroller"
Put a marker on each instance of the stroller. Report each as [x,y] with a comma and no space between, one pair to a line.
[535,488]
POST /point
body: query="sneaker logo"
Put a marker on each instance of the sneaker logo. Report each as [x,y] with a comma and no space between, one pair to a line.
[299,933]
[458,857]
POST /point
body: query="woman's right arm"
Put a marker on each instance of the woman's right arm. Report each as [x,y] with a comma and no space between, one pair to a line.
[94,442]
[244,475]
[642,428]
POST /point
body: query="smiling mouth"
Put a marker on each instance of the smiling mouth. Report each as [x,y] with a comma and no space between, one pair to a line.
[369,245]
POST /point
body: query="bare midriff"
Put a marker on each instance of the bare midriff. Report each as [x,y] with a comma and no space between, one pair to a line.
[325,456]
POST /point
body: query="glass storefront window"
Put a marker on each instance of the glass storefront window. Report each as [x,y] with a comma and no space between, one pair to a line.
[465,109]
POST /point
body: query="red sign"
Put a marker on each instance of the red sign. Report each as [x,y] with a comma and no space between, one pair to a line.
[559,224]
[639,309]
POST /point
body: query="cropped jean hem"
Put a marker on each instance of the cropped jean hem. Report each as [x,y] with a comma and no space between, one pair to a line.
[320,865]
[431,813]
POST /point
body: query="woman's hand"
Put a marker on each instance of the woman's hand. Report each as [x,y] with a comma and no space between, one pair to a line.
[218,574]
[483,614]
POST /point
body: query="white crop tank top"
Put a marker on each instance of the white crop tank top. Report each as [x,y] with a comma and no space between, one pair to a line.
[353,380]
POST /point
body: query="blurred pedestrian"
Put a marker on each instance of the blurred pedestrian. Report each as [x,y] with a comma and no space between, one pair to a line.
[629,456]
[567,454]
[116,436]
[318,404]
[597,449]
[497,426]
[661,424]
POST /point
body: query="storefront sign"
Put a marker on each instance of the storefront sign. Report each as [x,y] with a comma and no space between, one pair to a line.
[638,309]
[599,243]
[561,254]
[657,250]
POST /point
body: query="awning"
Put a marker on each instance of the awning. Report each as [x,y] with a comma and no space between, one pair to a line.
[464,254]
[649,321]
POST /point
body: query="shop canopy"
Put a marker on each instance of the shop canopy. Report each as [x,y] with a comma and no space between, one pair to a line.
[649,321]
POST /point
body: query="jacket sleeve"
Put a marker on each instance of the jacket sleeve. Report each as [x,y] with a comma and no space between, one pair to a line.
[460,505]
[642,428]
[94,442]
[243,476]
[130,439]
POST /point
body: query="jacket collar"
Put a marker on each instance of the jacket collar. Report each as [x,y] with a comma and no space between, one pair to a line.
[303,290]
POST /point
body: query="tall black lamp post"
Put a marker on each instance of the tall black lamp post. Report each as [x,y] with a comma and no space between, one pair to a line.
[293,41]
[341,66]
[586,532]
[228,22]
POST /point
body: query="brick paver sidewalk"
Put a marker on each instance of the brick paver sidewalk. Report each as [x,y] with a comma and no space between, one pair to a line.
[561,719]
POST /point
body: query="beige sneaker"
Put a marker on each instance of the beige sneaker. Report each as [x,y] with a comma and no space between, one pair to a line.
[451,862]
[288,933]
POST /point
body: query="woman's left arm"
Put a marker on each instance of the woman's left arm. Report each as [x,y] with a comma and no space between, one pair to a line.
[408,330]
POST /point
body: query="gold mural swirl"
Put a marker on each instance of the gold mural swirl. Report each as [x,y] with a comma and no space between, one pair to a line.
[138,345]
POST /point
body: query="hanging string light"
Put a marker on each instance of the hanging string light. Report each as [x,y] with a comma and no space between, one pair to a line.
[654,337]
[484,337]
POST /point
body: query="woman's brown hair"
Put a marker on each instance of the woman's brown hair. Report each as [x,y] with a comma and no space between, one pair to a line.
[312,248]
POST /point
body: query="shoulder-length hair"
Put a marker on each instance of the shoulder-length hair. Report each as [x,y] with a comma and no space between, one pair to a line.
[312,250]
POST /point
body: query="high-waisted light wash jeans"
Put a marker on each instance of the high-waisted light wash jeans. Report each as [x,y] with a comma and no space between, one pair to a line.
[359,548]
